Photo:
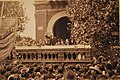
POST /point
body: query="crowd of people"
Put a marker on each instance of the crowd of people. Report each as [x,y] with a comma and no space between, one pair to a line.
[95,19]
[26,41]
[52,40]
[101,68]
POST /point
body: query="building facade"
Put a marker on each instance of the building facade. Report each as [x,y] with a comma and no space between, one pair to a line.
[50,16]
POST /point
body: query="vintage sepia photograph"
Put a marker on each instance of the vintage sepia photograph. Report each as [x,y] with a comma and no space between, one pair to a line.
[59,40]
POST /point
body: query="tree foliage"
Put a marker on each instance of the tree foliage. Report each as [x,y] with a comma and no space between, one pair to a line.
[93,22]
[15,9]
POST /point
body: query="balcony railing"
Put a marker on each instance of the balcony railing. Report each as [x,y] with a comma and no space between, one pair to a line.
[53,54]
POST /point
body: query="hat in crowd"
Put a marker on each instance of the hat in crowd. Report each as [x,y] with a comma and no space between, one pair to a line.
[101,77]
[70,75]
[15,62]
[96,68]
[60,69]
[24,70]
[108,66]
[58,76]
[38,69]
[13,76]
[49,76]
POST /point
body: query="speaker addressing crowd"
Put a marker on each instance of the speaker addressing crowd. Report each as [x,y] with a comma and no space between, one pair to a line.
[91,18]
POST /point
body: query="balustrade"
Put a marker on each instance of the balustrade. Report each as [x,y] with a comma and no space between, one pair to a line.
[54,56]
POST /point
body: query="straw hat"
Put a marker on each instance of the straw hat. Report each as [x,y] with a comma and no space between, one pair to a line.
[96,68]
[13,76]
[24,70]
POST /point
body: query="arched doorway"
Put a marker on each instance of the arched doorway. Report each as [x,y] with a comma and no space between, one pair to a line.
[61,28]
